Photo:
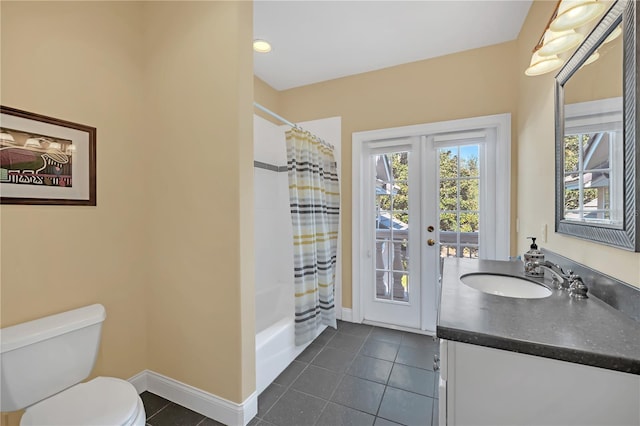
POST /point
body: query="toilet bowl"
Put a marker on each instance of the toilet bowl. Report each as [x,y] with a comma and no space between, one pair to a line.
[43,363]
[102,401]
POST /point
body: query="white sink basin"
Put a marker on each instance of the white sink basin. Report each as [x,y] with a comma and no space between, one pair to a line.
[507,286]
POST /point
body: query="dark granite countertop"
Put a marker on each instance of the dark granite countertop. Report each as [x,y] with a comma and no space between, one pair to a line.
[584,331]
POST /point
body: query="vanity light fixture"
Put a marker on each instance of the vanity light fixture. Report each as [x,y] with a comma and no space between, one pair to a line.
[261,46]
[559,35]
[575,13]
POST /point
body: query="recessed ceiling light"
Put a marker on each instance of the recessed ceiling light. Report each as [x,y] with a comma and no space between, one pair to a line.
[261,46]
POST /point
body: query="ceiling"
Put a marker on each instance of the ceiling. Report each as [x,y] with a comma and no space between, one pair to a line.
[314,41]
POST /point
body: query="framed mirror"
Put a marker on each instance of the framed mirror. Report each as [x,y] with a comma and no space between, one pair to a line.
[597,185]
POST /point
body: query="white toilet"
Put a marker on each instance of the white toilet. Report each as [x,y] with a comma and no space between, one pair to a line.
[42,364]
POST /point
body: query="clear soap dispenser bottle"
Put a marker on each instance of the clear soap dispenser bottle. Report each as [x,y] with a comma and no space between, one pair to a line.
[532,260]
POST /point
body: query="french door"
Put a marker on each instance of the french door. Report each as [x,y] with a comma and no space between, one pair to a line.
[423,198]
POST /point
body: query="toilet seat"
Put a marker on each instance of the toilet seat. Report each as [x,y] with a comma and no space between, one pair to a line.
[102,401]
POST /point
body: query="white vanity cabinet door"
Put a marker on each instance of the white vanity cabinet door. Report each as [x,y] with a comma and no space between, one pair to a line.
[487,386]
[442,384]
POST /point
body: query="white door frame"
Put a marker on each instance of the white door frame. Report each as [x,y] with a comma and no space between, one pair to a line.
[500,123]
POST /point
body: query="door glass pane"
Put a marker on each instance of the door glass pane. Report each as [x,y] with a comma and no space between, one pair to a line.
[459,174]
[392,226]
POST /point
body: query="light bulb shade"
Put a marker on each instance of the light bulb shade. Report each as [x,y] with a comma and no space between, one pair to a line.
[575,13]
[556,42]
[543,64]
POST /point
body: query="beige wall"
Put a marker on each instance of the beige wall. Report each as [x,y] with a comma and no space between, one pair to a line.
[81,62]
[462,85]
[536,190]
[164,250]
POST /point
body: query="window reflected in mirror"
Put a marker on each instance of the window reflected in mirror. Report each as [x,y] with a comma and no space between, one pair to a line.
[589,193]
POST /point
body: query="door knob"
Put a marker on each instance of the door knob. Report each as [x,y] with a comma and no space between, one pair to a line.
[431,241]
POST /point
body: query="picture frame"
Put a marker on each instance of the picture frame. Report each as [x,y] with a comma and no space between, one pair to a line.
[46,160]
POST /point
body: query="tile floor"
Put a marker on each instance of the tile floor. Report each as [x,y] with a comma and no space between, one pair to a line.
[357,375]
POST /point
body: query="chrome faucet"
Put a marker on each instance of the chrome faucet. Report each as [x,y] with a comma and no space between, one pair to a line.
[560,279]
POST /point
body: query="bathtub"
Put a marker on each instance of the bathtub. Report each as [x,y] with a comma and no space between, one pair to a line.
[275,347]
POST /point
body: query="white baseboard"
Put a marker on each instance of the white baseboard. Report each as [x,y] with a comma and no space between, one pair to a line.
[139,381]
[205,403]
[347,314]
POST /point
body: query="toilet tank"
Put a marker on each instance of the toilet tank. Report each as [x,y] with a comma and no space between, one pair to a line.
[42,357]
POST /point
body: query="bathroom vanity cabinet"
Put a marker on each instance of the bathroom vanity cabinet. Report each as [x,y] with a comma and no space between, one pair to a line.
[485,386]
[553,360]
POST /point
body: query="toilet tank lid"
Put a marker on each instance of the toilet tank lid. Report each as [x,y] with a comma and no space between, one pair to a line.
[27,333]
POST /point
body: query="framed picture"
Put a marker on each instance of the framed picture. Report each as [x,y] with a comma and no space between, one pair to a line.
[46,160]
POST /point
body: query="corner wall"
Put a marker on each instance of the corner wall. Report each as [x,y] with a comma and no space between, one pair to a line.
[536,164]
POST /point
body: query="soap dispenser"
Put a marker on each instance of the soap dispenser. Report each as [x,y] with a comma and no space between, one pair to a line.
[532,260]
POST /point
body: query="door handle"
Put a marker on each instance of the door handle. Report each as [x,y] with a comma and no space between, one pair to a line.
[431,241]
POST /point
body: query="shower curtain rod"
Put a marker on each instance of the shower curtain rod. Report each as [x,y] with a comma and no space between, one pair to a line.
[274,115]
[285,121]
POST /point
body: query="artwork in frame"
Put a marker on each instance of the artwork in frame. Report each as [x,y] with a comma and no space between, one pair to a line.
[45,160]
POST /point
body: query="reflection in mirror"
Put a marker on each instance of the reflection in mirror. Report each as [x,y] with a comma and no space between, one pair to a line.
[596,176]
[593,162]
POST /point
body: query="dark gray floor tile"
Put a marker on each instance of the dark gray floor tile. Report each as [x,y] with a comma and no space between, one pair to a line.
[373,369]
[265,423]
[346,342]
[291,373]
[414,357]
[354,329]
[386,335]
[360,394]
[412,379]
[175,415]
[210,422]
[384,422]
[309,353]
[380,350]
[153,403]
[295,409]
[334,414]
[420,341]
[254,421]
[317,382]
[268,397]
[406,408]
[325,336]
[333,359]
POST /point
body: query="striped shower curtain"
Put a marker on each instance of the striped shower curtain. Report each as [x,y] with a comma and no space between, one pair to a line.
[314,196]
